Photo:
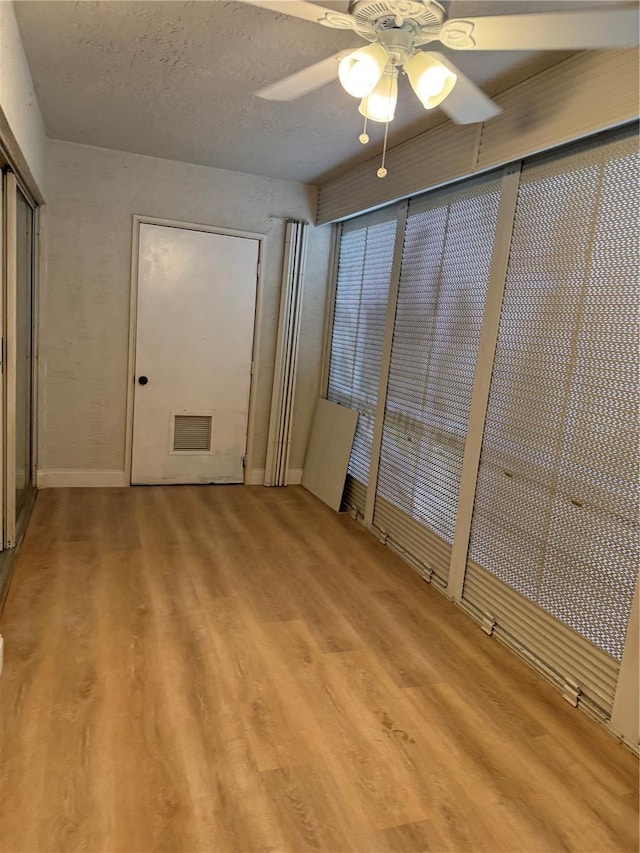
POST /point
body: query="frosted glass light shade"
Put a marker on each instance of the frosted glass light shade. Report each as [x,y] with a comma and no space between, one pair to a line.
[380,105]
[360,71]
[430,80]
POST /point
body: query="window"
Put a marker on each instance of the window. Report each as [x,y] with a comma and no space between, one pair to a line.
[556,509]
[446,262]
[554,541]
[362,290]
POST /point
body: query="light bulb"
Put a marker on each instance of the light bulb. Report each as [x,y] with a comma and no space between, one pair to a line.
[430,79]
[380,105]
[432,83]
[360,71]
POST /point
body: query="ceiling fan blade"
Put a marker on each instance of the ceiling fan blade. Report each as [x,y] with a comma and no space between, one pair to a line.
[305,81]
[307,11]
[589,29]
[466,103]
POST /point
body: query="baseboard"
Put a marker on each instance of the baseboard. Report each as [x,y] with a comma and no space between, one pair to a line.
[65,478]
[256,477]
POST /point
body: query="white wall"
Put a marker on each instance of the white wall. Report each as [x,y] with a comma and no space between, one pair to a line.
[92,196]
[625,718]
[18,103]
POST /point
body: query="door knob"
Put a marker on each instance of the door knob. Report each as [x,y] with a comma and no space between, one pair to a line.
[142,380]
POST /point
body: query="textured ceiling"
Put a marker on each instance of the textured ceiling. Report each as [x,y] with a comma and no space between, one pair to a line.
[176,80]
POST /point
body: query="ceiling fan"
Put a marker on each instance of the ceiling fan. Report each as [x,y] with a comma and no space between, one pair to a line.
[399,30]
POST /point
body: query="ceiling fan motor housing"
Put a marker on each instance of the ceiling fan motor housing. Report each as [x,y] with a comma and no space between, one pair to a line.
[399,44]
[423,20]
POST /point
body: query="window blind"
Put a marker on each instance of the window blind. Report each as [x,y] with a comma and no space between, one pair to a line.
[554,546]
[365,259]
[446,261]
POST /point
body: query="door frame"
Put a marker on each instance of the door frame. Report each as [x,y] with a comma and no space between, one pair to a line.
[137,221]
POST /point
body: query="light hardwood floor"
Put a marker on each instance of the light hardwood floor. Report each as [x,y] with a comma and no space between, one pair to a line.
[239,669]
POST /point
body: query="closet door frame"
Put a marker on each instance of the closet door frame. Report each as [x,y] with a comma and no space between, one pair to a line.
[7,265]
[9,360]
[12,530]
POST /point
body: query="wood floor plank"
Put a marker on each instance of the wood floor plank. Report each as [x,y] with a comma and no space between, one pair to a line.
[418,837]
[225,669]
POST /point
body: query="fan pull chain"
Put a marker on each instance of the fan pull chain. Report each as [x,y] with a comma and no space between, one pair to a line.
[382,172]
[364,136]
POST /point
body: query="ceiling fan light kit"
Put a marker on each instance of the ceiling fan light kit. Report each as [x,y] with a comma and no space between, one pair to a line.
[371,73]
[360,71]
[380,104]
[430,80]
[398,29]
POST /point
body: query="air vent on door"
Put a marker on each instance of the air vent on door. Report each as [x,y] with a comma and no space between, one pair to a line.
[192,433]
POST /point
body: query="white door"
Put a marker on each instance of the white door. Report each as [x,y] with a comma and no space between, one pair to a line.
[195,321]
